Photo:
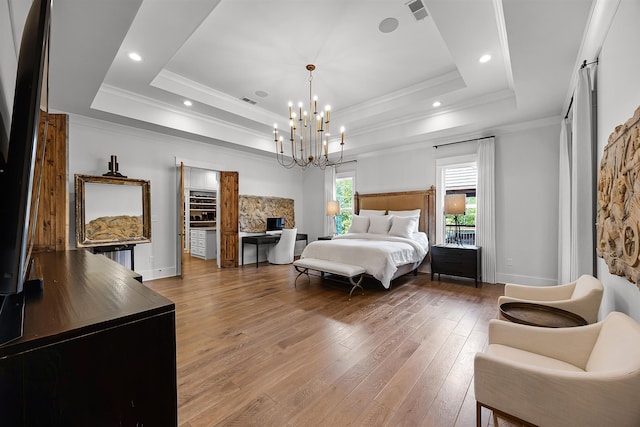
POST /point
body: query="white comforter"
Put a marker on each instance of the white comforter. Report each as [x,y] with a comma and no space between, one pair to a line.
[379,254]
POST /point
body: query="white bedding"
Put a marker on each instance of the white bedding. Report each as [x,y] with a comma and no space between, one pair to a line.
[379,254]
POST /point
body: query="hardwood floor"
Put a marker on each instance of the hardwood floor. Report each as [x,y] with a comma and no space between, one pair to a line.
[254,350]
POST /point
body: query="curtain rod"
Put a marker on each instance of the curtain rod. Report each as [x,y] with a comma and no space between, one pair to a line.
[466,140]
[584,64]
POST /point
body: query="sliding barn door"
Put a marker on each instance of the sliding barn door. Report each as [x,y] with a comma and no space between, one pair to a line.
[228,219]
[181,222]
[51,177]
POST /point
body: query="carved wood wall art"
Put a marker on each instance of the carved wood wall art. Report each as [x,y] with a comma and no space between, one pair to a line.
[618,207]
[254,211]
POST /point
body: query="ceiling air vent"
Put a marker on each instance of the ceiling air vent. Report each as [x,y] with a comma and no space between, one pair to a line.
[249,100]
[418,10]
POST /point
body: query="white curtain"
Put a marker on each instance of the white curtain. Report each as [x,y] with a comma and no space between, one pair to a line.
[577,218]
[329,194]
[566,265]
[582,174]
[485,213]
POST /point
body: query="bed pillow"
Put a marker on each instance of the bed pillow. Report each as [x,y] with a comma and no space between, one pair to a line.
[379,224]
[371,212]
[403,226]
[359,224]
[413,212]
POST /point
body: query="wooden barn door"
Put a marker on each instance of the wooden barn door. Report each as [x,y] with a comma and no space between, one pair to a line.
[50,174]
[228,219]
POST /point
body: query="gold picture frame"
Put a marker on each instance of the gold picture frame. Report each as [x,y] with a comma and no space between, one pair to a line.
[112,211]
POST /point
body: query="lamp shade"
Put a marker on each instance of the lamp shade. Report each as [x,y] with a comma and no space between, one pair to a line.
[333,208]
[454,204]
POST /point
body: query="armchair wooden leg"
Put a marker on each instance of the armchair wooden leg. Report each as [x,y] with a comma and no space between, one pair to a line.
[498,413]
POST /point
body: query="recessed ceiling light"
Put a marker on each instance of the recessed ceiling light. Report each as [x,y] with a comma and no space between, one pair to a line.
[134,56]
[187,103]
[485,58]
[436,104]
[388,25]
[262,93]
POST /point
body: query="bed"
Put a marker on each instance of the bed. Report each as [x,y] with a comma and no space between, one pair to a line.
[384,254]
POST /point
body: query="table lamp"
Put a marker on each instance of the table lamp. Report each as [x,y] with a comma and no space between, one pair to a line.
[333,209]
[454,204]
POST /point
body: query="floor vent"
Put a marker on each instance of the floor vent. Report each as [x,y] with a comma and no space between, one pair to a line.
[418,10]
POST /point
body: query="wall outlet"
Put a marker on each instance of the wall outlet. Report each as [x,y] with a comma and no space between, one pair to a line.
[510,262]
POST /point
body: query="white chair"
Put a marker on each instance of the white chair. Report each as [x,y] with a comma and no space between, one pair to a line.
[582,376]
[581,297]
[282,252]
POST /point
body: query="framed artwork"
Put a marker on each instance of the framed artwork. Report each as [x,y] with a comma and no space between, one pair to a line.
[112,211]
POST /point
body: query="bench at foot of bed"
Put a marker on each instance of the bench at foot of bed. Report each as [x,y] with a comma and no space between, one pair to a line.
[349,271]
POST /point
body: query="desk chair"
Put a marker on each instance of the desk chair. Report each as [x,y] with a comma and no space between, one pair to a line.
[282,252]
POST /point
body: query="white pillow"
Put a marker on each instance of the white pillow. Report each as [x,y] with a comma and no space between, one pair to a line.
[379,224]
[371,212]
[359,224]
[414,212]
[403,226]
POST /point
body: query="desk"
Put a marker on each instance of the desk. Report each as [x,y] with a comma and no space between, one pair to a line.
[546,316]
[266,239]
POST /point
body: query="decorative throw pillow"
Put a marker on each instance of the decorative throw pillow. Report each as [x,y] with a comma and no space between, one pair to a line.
[403,226]
[371,212]
[359,224]
[379,224]
[413,212]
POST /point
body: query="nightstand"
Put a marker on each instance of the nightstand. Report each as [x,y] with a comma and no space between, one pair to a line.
[457,260]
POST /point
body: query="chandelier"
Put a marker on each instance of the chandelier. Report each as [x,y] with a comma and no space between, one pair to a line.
[308,135]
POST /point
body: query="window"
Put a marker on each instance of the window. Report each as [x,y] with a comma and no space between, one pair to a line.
[457,176]
[345,185]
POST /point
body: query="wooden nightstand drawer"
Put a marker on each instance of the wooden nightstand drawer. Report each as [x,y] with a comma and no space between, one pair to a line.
[456,260]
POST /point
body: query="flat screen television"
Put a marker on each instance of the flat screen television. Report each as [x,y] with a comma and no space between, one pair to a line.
[275,224]
[17,161]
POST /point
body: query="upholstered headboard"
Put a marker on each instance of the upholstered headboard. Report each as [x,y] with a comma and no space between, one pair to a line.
[404,200]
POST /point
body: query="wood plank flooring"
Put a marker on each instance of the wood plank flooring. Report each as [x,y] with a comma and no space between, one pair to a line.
[252,349]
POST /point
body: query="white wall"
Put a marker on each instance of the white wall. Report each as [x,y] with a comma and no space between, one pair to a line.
[151,156]
[618,97]
[527,206]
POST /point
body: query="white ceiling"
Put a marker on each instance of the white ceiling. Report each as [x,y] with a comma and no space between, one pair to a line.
[381,87]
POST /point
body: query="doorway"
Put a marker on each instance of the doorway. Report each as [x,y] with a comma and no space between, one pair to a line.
[205,210]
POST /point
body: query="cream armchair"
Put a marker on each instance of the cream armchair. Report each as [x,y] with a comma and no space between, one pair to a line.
[581,297]
[583,376]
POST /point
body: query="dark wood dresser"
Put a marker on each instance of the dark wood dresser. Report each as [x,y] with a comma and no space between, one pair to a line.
[98,349]
[457,260]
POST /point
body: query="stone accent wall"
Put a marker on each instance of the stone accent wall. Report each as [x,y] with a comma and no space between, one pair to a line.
[254,210]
